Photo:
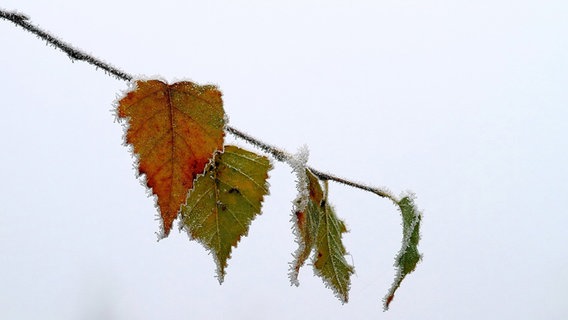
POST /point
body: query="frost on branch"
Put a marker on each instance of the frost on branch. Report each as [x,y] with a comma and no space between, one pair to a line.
[14,15]
[408,256]
[175,131]
[225,200]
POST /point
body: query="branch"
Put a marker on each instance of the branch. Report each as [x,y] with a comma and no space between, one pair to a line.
[75,54]
[284,156]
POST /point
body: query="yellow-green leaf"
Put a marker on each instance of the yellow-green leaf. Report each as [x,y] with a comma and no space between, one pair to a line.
[319,229]
[329,261]
[224,201]
[408,257]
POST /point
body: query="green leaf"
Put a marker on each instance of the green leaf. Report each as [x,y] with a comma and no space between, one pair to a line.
[408,257]
[318,228]
[329,262]
[224,201]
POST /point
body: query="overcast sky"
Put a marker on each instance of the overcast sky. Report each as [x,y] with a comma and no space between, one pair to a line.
[462,102]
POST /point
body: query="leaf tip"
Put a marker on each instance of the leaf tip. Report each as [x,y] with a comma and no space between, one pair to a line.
[386,302]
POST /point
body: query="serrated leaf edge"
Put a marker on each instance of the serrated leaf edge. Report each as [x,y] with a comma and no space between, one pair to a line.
[342,296]
[220,272]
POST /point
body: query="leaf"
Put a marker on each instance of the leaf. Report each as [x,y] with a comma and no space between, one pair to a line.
[330,263]
[320,229]
[225,200]
[306,225]
[408,257]
[174,130]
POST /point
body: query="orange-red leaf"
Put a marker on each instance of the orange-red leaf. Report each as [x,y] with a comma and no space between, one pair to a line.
[174,130]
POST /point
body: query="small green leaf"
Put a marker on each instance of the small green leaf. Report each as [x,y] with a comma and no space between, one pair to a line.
[319,229]
[408,257]
[329,261]
[224,201]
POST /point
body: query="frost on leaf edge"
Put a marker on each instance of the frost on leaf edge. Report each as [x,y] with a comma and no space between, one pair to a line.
[405,244]
[219,273]
[298,162]
[132,86]
[343,298]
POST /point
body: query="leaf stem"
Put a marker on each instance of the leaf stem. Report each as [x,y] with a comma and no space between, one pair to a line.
[76,54]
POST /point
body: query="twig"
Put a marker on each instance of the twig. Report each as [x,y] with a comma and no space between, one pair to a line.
[76,54]
[378,191]
[284,156]
[73,53]
[277,153]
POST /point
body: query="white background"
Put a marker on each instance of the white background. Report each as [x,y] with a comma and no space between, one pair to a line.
[462,102]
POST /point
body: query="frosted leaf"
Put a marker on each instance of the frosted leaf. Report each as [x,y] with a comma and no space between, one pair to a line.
[329,261]
[318,230]
[159,118]
[300,205]
[226,198]
[408,256]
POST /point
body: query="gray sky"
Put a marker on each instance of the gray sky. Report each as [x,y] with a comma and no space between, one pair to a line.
[462,102]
